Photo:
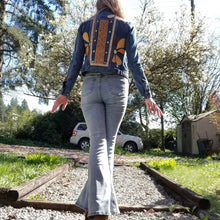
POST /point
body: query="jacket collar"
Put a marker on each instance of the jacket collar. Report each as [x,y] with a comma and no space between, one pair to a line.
[105,10]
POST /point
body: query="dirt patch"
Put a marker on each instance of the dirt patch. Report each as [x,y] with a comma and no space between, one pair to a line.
[77,155]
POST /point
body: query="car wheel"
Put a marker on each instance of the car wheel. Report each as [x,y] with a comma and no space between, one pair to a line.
[131,147]
[84,143]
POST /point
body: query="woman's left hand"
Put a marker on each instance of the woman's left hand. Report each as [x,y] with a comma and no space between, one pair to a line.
[152,107]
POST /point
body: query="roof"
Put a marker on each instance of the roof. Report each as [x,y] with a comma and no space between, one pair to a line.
[194,118]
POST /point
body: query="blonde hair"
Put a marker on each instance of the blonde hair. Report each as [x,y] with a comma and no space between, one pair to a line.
[114,5]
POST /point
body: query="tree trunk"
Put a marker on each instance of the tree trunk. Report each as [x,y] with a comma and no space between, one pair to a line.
[3,15]
[162,130]
[144,121]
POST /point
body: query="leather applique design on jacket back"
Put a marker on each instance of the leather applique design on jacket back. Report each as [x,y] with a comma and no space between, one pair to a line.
[86,39]
[119,51]
[101,41]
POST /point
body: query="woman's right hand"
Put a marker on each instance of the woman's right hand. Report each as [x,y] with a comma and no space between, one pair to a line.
[61,100]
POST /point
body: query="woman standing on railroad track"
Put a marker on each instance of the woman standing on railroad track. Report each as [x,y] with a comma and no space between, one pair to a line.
[105,45]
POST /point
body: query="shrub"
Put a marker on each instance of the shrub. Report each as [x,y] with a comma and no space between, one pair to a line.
[163,163]
[154,139]
[42,158]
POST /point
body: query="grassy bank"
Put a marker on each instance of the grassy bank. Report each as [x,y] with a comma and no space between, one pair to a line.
[15,170]
[202,175]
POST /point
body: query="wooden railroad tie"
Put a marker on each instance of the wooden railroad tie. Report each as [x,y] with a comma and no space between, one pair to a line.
[34,186]
[187,196]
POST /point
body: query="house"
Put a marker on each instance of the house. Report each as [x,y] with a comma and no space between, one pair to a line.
[196,134]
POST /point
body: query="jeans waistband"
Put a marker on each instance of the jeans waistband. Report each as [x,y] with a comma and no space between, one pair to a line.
[124,74]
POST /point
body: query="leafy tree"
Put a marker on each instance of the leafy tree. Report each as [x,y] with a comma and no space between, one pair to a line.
[176,58]
[22,22]
[24,106]
[9,128]
[45,72]
[24,125]
[2,110]
[13,105]
[56,128]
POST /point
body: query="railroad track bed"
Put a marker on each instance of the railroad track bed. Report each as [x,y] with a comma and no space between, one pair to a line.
[140,194]
[52,196]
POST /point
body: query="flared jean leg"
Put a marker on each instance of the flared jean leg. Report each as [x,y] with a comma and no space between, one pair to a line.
[103,112]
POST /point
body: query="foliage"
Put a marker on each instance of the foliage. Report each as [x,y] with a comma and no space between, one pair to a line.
[199,175]
[158,152]
[36,197]
[45,130]
[163,164]
[176,59]
[15,170]
[42,158]
[154,140]
[44,72]
[23,21]
[172,208]
[15,141]
[216,156]
[57,128]
[53,129]
[17,120]
[2,109]
[204,217]
[121,151]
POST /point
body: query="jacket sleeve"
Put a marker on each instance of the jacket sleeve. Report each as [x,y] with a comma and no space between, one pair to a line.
[75,64]
[135,66]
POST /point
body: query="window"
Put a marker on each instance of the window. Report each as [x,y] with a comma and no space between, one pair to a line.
[82,127]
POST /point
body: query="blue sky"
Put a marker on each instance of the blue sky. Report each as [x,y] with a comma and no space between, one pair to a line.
[209,8]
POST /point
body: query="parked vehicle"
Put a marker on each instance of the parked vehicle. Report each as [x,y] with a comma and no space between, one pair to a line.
[80,137]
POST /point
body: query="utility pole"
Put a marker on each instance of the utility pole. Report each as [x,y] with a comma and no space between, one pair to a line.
[192,10]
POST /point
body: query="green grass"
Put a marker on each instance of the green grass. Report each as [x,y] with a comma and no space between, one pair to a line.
[15,170]
[14,141]
[198,174]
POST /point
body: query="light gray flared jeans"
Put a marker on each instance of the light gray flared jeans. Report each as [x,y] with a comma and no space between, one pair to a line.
[104,101]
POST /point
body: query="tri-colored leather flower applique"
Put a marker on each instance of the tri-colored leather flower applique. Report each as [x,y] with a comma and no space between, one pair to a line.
[119,52]
[86,39]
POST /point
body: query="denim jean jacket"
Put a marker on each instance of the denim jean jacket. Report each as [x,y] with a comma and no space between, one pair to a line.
[106,44]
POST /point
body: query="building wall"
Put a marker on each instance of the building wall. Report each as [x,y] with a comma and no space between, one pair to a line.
[201,128]
[179,138]
[206,130]
[195,137]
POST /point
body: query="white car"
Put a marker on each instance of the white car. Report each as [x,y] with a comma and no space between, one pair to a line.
[80,137]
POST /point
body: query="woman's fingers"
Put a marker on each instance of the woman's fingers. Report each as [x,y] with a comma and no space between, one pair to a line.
[152,107]
[61,100]
[55,106]
[64,106]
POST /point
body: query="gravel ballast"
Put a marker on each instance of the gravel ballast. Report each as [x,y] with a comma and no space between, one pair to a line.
[132,186]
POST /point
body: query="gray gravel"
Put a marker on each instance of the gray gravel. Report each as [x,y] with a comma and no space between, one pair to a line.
[132,187]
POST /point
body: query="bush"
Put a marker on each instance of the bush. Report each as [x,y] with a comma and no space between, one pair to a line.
[132,128]
[154,139]
[42,158]
[162,163]
[45,129]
